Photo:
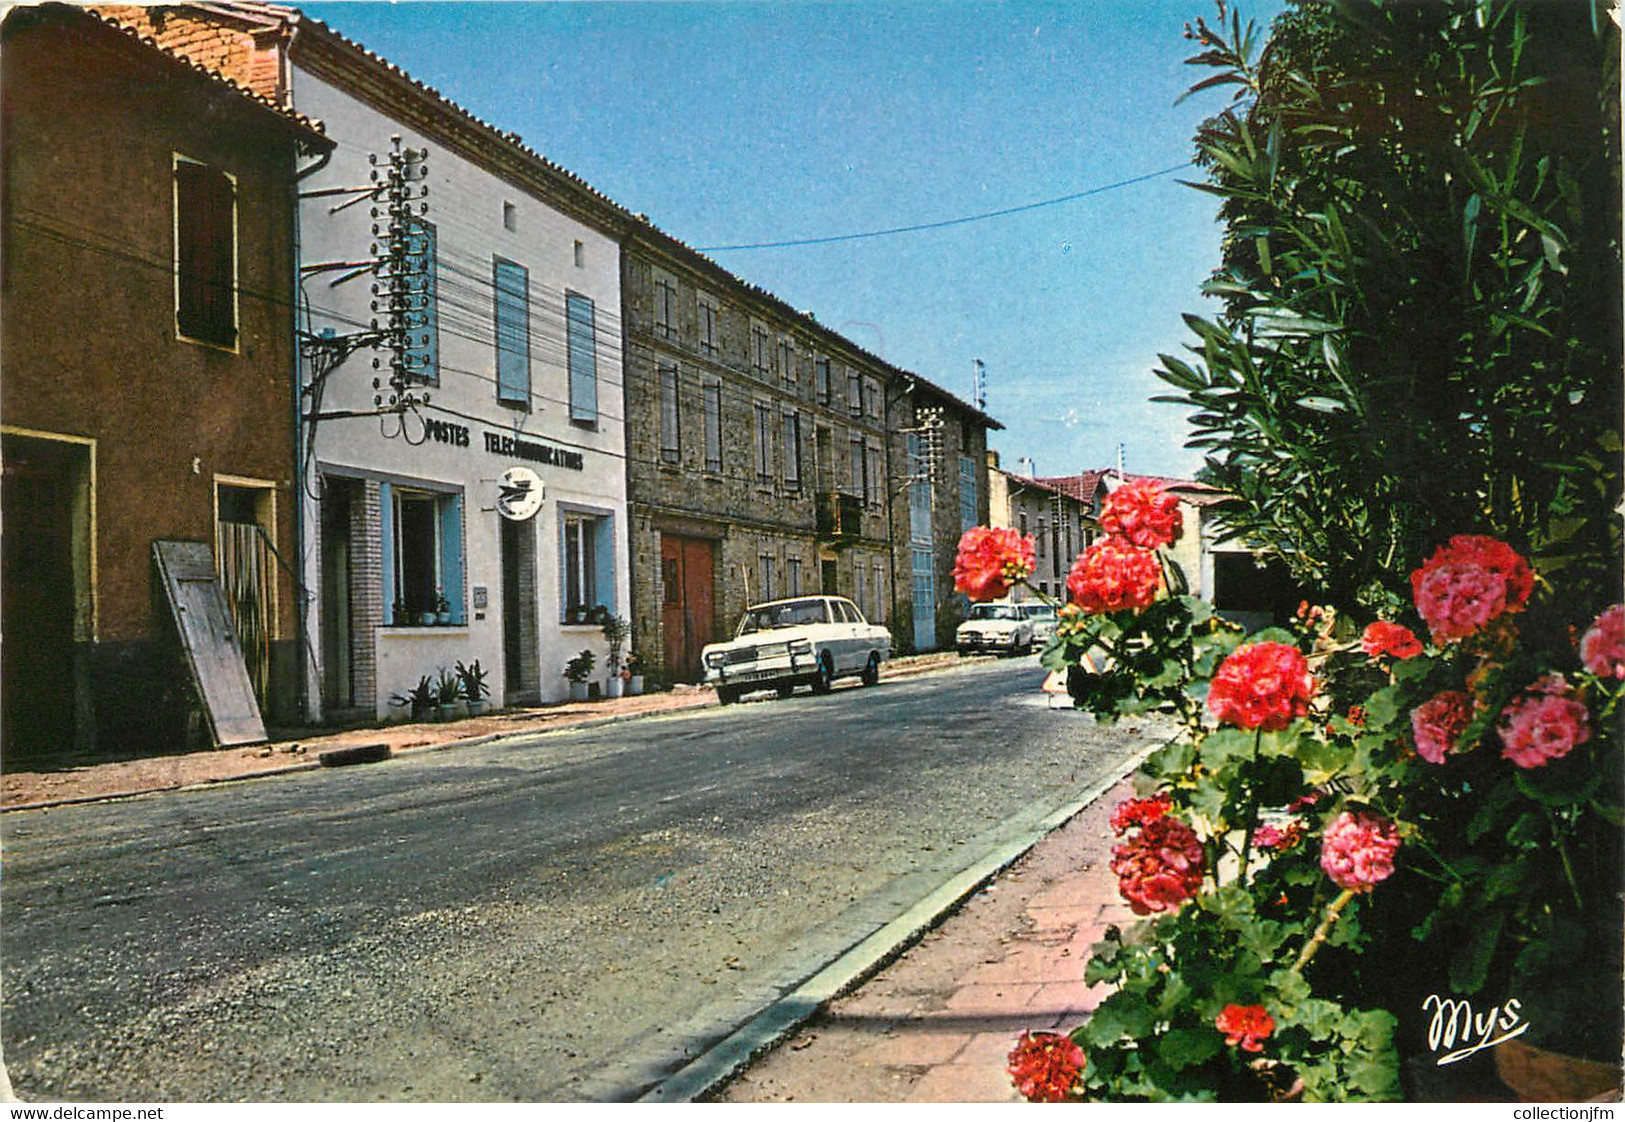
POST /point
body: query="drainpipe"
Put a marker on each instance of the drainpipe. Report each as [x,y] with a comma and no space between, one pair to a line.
[308,691]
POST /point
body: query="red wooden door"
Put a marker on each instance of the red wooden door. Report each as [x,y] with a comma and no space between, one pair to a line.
[689,607]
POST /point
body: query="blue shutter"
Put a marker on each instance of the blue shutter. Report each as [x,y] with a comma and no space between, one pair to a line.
[451,555]
[386,510]
[425,348]
[583,356]
[512,284]
[603,540]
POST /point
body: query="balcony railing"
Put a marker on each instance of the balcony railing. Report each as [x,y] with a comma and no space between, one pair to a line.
[840,515]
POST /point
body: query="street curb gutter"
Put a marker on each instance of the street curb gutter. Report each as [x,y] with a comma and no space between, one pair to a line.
[727,1058]
[470,742]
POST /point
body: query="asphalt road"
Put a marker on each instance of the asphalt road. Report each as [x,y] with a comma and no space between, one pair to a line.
[561,917]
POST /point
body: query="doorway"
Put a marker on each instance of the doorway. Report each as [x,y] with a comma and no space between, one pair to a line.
[521,674]
[688,605]
[338,687]
[40,502]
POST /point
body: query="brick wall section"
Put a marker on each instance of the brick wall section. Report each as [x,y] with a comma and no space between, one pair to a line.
[530,668]
[366,590]
[248,57]
[93,124]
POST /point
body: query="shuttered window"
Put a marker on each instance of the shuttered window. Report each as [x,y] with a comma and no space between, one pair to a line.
[423,353]
[583,358]
[512,287]
[205,254]
[712,397]
[671,448]
[792,451]
[764,443]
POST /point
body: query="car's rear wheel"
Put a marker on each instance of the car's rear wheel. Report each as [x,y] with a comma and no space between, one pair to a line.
[727,695]
[826,674]
[871,672]
[785,689]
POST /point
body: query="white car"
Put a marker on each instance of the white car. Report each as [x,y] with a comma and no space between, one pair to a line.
[1044,620]
[808,640]
[997,626]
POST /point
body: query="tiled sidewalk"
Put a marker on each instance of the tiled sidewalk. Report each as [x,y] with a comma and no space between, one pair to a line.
[937,1024]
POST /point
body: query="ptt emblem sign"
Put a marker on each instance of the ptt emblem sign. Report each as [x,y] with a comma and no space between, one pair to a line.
[519,493]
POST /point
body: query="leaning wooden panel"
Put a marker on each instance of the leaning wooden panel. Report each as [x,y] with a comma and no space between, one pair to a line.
[210,641]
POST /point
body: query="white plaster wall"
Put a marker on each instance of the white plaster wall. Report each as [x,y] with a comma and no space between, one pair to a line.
[466,208]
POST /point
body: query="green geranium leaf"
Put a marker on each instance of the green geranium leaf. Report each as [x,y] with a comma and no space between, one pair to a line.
[1413,669]
[1381,708]
[1182,1048]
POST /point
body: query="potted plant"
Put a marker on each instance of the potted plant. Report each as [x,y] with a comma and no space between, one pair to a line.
[442,607]
[578,670]
[420,697]
[616,630]
[448,696]
[634,674]
[475,691]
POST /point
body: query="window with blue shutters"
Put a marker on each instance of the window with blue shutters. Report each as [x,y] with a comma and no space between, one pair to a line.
[969,500]
[422,556]
[587,553]
[583,358]
[512,287]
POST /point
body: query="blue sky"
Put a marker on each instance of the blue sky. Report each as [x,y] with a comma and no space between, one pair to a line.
[748,122]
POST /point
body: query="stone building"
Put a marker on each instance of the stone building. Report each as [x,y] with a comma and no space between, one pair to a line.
[147,327]
[767,456]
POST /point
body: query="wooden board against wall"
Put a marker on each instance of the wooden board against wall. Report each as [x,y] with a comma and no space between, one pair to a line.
[204,624]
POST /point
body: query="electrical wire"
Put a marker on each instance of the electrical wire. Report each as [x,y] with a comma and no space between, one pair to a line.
[947,222]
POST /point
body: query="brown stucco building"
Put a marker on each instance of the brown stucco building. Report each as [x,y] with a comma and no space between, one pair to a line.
[769,456]
[147,328]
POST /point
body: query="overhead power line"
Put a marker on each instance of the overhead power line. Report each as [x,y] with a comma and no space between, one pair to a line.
[961,221]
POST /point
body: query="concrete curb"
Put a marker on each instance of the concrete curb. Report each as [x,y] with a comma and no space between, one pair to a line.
[470,742]
[711,1070]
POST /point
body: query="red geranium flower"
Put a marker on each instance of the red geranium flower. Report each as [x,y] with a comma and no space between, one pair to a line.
[1467,583]
[1160,867]
[1384,638]
[1137,812]
[1543,724]
[1113,575]
[1044,1066]
[1437,724]
[1602,651]
[1143,514]
[1357,850]
[990,561]
[1245,1025]
[1262,686]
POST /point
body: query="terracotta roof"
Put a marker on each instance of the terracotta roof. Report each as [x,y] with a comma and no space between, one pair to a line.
[1081,487]
[264,13]
[310,127]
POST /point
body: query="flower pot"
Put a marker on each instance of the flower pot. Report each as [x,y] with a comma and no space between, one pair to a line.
[425,619]
[578,691]
[614,686]
[634,685]
[457,710]
[442,618]
[1536,1075]
[422,712]
[477,708]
